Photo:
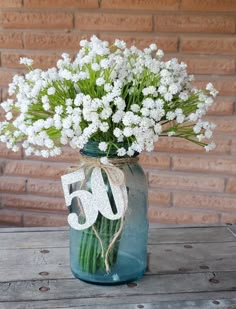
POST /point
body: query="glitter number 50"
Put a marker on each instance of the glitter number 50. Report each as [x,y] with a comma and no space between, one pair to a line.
[94,202]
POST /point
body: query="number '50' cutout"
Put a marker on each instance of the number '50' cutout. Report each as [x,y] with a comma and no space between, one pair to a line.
[94,202]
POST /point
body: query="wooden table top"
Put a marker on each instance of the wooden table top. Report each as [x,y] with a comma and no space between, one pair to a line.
[189,267]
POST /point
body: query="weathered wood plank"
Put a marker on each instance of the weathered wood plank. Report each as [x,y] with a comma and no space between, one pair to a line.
[26,264]
[197,257]
[186,304]
[232,229]
[41,239]
[188,266]
[149,285]
[60,237]
[190,234]
[31,229]
[182,225]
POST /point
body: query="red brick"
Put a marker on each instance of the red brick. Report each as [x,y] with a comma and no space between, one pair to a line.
[11,59]
[231,185]
[34,202]
[178,216]
[154,160]
[12,184]
[6,77]
[224,124]
[209,5]
[195,23]
[4,96]
[208,45]
[2,118]
[51,41]
[169,5]
[10,4]
[172,144]
[47,219]
[113,22]
[228,217]
[168,43]
[226,87]
[206,164]
[222,106]
[209,65]
[61,4]
[233,147]
[159,198]
[7,153]
[47,188]
[205,201]
[11,39]
[10,217]
[35,169]
[36,20]
[68,155]
[185,181]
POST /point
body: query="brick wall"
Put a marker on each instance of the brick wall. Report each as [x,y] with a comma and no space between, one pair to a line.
[186,184]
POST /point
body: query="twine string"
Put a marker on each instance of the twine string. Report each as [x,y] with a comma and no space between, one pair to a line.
[116,176]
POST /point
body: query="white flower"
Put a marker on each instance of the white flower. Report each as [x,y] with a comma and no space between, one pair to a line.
[104,63]
[121,152]
[153,46]
[211,89]
[106,113]
[180,118]
[210,146]
[117,132]
[51,91]
[58,110]
[45,153]
[107,87]
[170,115]
[104,160]
[46,106]
[148,103]
[159,53]
[120,44]
[9,116]
[197,128]
[102,146]
[168,96]
[49,143]
[173,89]
[95,67]
[127,131]
[100,81]
[26,61]
[145,111]
[135,108]
[183,96]
[104,127]
[208,133]
[45,99]
[148,90]
[116,118]
[158,128]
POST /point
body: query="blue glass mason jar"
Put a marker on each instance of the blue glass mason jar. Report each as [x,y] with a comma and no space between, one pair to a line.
[128,255]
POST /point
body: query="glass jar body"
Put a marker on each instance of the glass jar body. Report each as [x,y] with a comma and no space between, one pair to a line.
[128,255]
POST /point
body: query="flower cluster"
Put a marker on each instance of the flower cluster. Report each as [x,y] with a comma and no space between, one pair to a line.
[108,93]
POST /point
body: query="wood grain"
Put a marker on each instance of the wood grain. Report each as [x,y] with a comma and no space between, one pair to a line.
[189,267]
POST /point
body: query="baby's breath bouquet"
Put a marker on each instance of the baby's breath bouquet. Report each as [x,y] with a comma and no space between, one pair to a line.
[120,98]
[109,94]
